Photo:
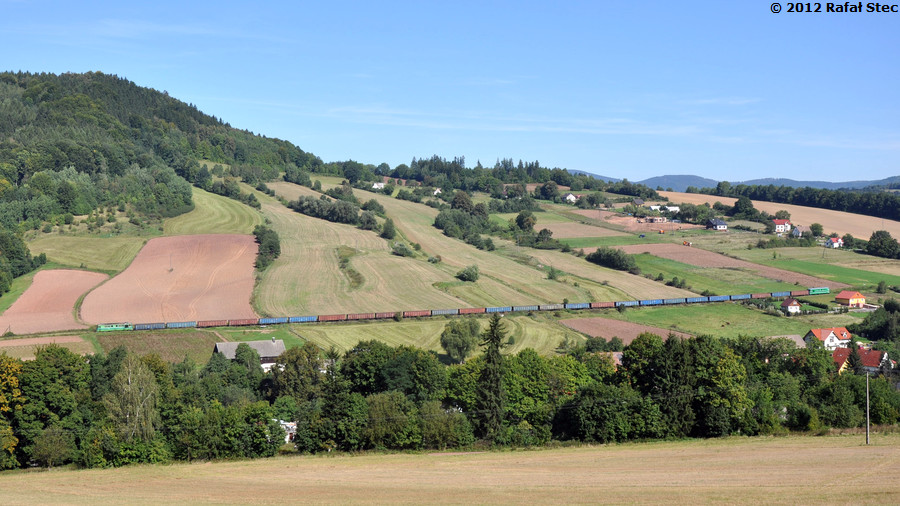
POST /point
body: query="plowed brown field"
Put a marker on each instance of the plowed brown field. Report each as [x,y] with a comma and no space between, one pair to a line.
[183,278]
[48,304]
[703,258]
[607,329]
[833,221]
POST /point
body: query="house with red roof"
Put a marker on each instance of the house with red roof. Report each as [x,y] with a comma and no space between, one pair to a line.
[873,361]
[850,298]
[834,243]
[782,226]
[833,338]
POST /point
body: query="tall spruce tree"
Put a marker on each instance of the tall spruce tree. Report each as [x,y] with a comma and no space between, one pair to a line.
[490,395]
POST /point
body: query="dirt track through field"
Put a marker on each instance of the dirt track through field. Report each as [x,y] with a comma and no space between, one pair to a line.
[182,278]
[48,304]
[858,225]
[703,258]
[608,328]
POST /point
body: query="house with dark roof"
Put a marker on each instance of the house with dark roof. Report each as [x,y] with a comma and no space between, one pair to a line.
[801,231]
[873,361]
[791,306]
[716,224]
[850,298]
[833,338]
[269,351]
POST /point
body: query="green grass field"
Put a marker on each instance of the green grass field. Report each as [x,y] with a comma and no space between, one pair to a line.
[214,214]
[616,240]
[719,281]
[104,254]
[170,345]
[728,320]
[736,470]
[541,333]
[831,265]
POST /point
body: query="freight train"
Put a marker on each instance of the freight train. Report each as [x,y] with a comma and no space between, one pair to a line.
[111,327]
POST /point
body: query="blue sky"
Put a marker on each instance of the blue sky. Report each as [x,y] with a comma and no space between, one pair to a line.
[725,90]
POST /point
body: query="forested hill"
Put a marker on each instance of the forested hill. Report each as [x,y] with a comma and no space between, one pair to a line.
[75,144]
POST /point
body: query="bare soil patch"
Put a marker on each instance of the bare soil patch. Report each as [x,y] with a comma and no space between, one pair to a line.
[48,304]
[608,328]
[833,221]
[703,258]
[182,278]
[25,349]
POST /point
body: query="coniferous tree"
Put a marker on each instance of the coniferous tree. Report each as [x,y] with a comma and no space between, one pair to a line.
[490,395]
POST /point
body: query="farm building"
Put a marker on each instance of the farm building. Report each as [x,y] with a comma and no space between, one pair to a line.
[716,224]
[801,231]
[790,306]
[269,351]
[673,209]
[850,298]
[873,361]
[656,219]
[782,226]
[834,243]
[833,338]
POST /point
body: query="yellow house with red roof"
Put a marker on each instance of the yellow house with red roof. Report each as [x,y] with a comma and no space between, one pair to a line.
[852,299]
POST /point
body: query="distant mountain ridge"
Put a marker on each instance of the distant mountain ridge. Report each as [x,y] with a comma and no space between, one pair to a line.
[681,182]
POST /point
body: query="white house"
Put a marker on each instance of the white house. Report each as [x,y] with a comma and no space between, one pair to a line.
[832,339]
[436,192]
[791,306]
[571,198]
[655,208]
[801,231]
[673,209]
[716,224]
[834,242]
[782,226]
[378,186]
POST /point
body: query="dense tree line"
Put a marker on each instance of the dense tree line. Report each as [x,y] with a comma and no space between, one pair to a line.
[882,204]
[115,409]
[614,259]
[269,246]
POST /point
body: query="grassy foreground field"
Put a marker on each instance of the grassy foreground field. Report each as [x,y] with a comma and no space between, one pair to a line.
[787,470]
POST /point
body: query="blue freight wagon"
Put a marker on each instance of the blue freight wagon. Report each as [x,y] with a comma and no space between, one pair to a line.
[302,319]
[651,302]
[627,303]
[272,321]
[681,300]
[741,296]
[718,298]
[693,300]
[525,308]
[439,312]
[149,326]
[180,325]
[578,305]
[551,307]
[781,294]
[505,309]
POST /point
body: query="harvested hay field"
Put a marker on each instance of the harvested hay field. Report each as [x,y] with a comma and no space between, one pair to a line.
[857,225]
[214,214]
[703,258]
[761,470]
[25,349]
[608,328]
[571,230]
[170,345]
[182,278]
[308,279]
[631,224]
[48,305]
